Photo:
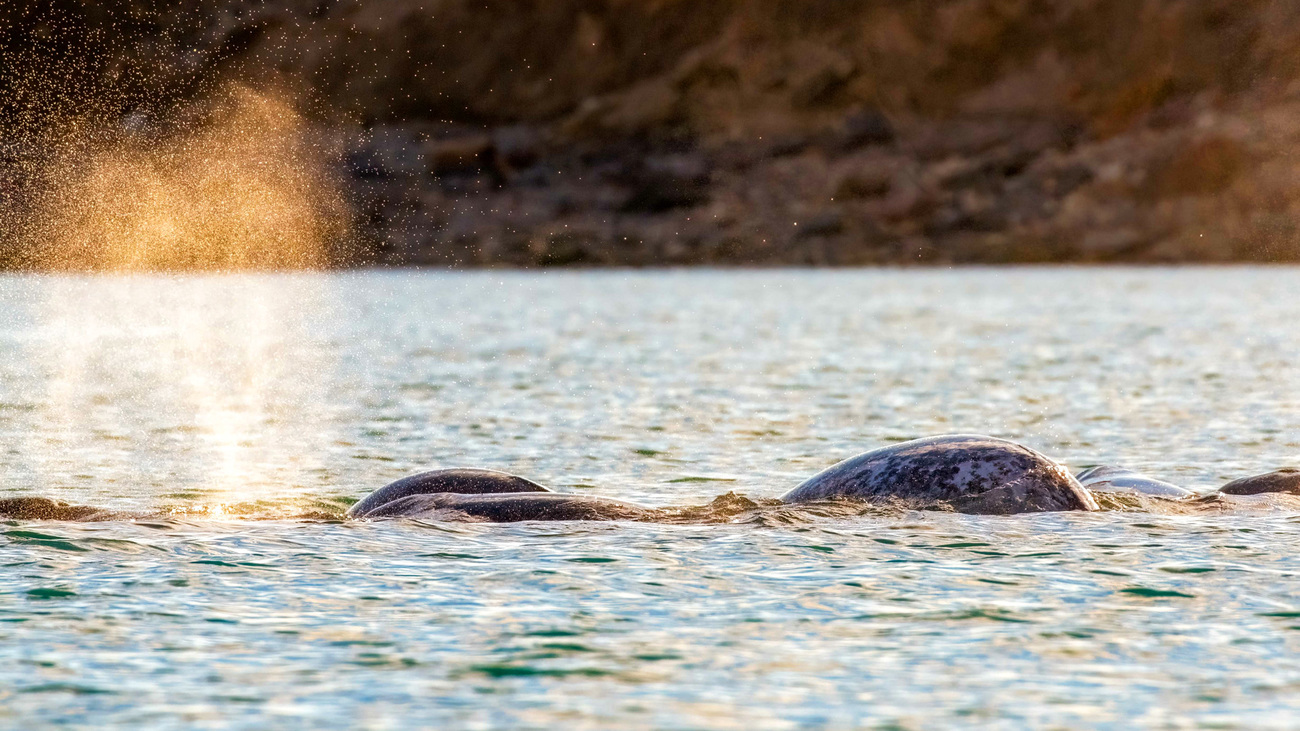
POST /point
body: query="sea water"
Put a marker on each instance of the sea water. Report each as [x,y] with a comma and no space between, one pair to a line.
[232,419]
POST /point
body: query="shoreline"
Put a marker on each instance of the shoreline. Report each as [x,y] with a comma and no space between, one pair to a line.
[666,269]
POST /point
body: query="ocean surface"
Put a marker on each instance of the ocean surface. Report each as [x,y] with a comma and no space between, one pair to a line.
[236,417]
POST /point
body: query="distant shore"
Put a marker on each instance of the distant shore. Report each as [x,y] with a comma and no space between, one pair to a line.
[741,132]
[872,191]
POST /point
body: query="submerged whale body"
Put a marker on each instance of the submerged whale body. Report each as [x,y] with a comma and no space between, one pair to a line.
[486,495]
[43,508]
[970,473]
[510,507]
[1284,480]
[1105,478]
[461,481]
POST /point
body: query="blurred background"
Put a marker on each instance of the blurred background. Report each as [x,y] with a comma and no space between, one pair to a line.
[288,133]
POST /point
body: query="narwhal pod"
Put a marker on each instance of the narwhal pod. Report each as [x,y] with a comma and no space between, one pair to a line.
[969,473]
[486,495]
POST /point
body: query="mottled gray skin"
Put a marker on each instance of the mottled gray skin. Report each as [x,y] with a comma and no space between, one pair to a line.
[510,507]
[462,481]
[1284,480]
[41,508]
[1105,478]
[973,474]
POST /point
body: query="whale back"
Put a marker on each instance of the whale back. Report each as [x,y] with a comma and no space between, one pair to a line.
[461,481]
[971,473]
[510,508]
[42,508]
[1107,478]
[1284,480]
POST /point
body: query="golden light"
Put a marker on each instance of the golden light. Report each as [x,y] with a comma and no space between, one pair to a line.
[247,188]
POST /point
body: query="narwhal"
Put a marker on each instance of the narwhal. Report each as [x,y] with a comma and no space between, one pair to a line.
[488,496]
[969,473]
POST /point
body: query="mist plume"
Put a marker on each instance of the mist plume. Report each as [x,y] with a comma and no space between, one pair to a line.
[242,185]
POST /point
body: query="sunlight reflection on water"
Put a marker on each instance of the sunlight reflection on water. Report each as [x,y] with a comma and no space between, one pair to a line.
[258,395]
[171,388]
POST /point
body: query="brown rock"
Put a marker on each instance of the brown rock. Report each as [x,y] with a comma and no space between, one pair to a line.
[1204,167]
[469,154]
[866,182]
[819,73]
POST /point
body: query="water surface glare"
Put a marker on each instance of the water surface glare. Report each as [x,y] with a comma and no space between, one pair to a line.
[233,406]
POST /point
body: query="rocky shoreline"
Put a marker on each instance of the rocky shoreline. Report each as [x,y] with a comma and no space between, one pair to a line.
[1214,187]
[740,132]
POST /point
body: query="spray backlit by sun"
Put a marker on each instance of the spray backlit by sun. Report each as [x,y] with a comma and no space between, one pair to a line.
[245,188]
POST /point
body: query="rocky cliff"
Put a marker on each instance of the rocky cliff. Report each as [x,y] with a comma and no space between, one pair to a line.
[733,131]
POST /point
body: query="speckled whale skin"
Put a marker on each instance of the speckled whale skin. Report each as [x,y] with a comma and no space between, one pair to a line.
[462,481]
[970,473]
[1107,478]
[1285,480]
[510,508]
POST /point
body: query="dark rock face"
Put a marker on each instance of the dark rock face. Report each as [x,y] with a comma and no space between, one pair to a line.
[461,481]
[1105,478]
[595,132]
[510,508]
[972,474]
[1284,480]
